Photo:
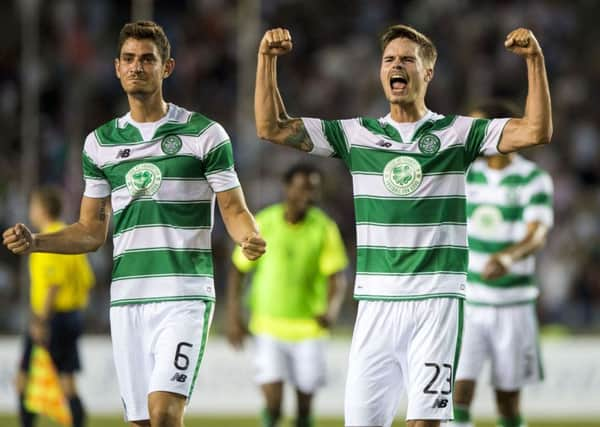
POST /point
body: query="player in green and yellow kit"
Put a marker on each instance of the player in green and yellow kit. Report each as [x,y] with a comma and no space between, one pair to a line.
[295,295]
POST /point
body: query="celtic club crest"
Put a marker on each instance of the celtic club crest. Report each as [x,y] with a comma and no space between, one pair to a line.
[429,144]
[486,219]
[402,175]
[143,180]
[171,144]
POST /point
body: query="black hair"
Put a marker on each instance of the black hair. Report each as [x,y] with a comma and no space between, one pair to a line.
[145,30]
[300,168]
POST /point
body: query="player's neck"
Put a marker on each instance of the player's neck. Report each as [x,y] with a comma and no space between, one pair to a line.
[407,112]
[293,216]
[499,161]
[147,109]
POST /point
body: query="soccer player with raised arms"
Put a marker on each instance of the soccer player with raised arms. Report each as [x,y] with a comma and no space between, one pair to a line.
[160,168]
[408,170]
[509,209]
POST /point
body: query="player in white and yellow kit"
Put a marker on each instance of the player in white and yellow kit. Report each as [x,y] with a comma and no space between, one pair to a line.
[509,208]
[408,170]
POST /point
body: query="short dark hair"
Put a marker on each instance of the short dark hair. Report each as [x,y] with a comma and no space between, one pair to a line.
[497,108]
[51,200]
[300,169]
[150,30]
[427,49]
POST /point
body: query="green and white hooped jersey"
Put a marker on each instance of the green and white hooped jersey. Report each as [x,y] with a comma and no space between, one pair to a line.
[409,198]
[500,204]
[162,189]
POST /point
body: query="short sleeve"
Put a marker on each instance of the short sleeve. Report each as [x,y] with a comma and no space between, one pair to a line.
[539,207]
[333,256]
[481,136]
[218,160]
[96,183]
[328,137]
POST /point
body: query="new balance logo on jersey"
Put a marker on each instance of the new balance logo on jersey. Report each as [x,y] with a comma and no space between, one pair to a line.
[179,377]
[383,143]
[440,403]
[123,154]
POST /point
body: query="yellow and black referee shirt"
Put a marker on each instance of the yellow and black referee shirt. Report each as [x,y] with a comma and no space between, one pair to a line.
[72,275]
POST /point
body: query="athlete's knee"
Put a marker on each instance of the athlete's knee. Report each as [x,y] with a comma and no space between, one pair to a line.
[304,403]
[20,382]
[166,416]
[463,392]
[67,382]
[166,409]
[508,403]
[273,395]
[423,423]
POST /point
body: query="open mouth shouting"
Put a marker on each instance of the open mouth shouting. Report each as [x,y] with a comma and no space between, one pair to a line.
[398,81]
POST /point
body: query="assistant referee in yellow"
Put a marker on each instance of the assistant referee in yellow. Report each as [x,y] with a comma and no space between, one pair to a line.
[59,292]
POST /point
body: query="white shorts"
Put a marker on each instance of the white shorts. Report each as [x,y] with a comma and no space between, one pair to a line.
[508,336]
[402,345]
[157,347]
[302,363]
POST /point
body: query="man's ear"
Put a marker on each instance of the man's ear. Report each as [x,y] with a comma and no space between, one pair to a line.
[169,67]
[428,74]
[117,68]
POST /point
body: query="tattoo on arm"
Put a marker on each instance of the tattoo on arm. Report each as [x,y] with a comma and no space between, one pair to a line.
[298,137]
[102,212]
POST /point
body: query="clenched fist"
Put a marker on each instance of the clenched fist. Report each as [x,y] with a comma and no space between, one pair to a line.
[18,239]
[522,42]
[253,247]
[276,42]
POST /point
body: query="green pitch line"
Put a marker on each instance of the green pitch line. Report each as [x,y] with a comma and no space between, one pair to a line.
[116,421]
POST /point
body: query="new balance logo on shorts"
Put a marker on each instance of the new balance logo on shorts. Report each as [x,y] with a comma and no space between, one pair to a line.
[179,377]
[440,403]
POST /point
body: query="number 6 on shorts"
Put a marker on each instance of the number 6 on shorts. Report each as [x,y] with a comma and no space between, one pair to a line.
[179,356]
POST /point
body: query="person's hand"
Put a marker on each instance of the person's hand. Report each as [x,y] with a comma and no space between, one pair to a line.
[253,247]
[276,42]
[18,239]
[522,42]
[236,332]
[325,321]
[38,330]
[496,267]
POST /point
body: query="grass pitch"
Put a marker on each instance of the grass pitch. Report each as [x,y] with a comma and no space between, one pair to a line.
[192,421]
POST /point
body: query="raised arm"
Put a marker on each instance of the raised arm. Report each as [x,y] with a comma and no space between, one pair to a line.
[86,235]
[535,127]
[272,121]
[240,223]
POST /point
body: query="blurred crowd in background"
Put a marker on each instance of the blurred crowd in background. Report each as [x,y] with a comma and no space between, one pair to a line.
[331,73]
